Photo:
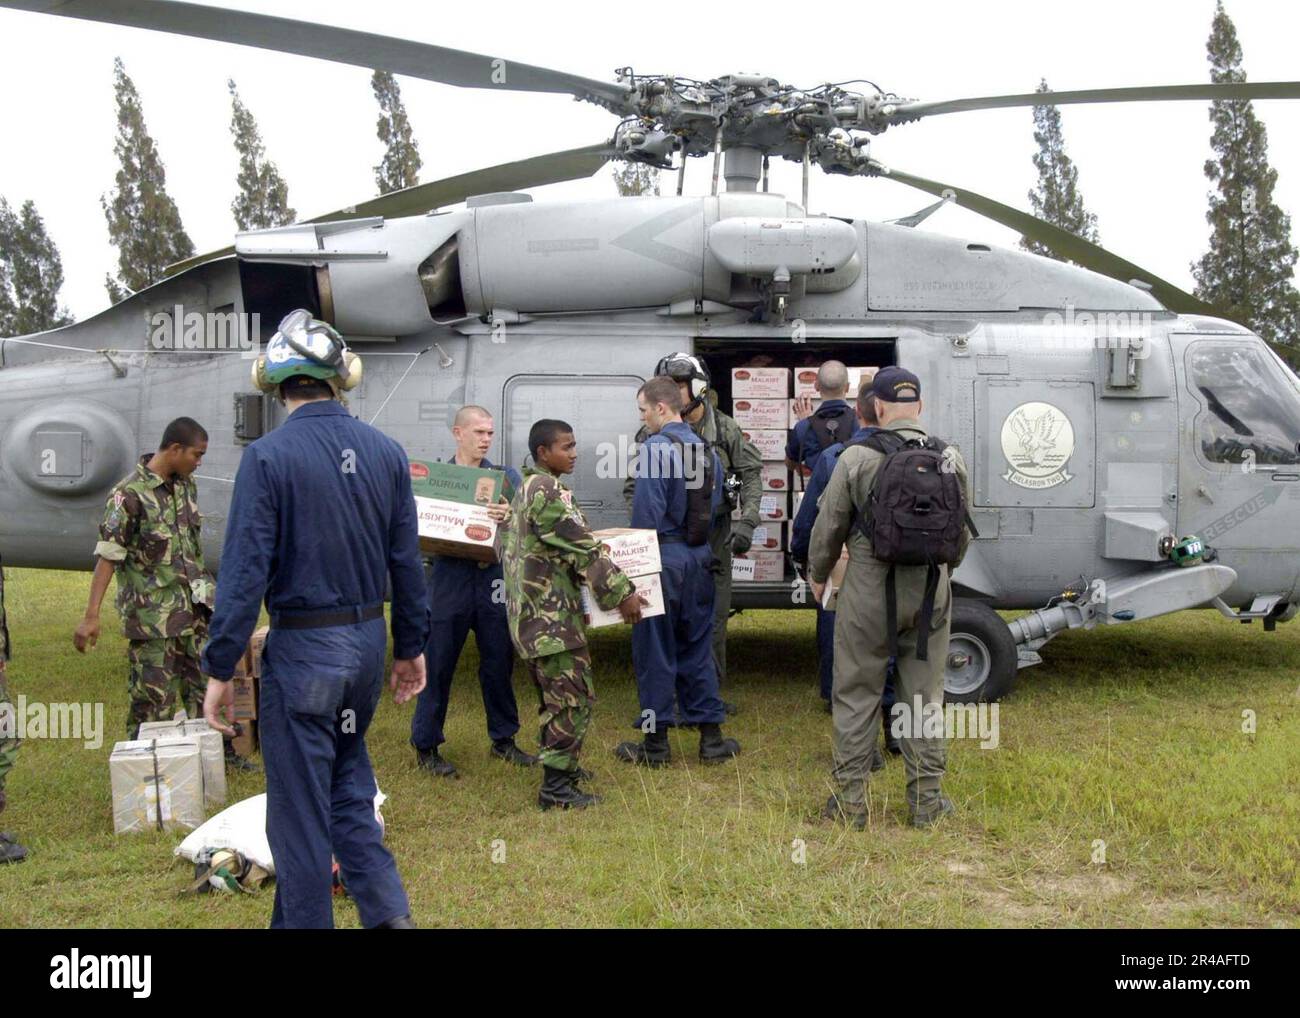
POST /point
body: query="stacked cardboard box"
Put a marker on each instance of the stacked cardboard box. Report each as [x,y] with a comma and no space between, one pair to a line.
[212,754]
[636,552]
[761,406]
[451,506]
[248,674]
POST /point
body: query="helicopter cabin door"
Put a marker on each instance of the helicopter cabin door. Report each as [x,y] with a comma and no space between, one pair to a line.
[1037,443]
[601,409]
[1239,458]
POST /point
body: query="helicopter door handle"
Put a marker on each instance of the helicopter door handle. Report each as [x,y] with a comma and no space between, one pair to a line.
[1286,477]
[591,503]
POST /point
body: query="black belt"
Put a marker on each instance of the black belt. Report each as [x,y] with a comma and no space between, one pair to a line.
[319,620]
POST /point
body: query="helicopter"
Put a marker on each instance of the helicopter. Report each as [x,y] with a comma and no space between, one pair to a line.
[1102,411]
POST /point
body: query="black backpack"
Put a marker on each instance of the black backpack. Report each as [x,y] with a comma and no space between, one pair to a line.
[831,426]
[914,516]
[697,464]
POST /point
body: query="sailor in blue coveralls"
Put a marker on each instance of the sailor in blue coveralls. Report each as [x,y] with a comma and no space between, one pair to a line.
[321,519]
[466,595]
[800,536]
[672,654]
[818,429]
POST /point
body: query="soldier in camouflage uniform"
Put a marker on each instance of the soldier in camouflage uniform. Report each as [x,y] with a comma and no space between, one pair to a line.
[548,553]
[740,459]
[10,850]
[150,537]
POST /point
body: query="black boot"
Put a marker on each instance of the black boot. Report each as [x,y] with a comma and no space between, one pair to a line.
[713,747]
[507,750]
[560,788]
[401,922]
[429,760]
[10,850]
[235,762]
[654,752]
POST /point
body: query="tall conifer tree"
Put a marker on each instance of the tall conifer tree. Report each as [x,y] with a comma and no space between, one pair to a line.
[401,166]
[263,199]
[1057,198]
[31,274]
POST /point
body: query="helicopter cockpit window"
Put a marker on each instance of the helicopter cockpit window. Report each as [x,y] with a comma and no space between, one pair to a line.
[1252,412]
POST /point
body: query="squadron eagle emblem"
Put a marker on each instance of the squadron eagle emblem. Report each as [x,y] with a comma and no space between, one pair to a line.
[1037,440]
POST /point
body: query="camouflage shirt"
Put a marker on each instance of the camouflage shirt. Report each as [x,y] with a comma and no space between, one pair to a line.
[547,553]
[150,533]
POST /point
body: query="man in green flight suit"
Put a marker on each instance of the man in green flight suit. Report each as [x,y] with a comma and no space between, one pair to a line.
[548,552]
[740,460]
[10,850]
[862,637]
[150,537]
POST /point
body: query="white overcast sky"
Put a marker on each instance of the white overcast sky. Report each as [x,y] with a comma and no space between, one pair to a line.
[1140,163]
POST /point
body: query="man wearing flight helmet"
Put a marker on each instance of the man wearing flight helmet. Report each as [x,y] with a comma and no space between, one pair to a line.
[743,467]
[322,517]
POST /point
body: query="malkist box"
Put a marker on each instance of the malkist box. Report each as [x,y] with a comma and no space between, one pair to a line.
[760,413]
[636,552]
[450,482]
[760,383]
[772,508]
[805,382]
[649,585]
[760,567]
[770,444]
[776,477]
[157,785]
[855,379]
[457,529]
[768,537]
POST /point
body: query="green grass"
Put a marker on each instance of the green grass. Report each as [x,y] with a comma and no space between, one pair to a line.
[1131,736]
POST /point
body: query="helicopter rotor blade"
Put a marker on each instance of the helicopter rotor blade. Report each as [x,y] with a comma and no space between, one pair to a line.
[553,168]
[328,42]
[908,111]
[1062,242]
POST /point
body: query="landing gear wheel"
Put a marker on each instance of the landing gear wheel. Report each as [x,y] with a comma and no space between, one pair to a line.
[982,659]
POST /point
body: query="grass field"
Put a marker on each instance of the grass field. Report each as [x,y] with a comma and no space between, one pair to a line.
[1131,736]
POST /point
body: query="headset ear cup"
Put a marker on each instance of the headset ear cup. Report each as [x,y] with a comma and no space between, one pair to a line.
[354,371]
[259,376]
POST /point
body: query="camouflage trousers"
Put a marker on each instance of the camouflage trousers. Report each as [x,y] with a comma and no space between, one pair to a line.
[165,677]
[8,736]
[566,696]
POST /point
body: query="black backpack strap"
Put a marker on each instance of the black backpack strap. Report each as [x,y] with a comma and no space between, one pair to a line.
[927,612]
[891,612]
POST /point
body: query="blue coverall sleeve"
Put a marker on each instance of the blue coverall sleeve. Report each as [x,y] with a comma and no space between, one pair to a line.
[252,535]
[794,442]
[410,611]
[650,498]
[806,518]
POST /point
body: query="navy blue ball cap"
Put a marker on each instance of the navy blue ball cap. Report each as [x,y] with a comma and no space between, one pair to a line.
[896,385]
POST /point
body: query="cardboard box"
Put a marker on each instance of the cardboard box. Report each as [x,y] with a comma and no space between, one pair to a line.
[776,477]
[212,752]
[855,379]
[457,529]
[768,537]
[256,645]
[450,482]
[770,444]
[761,413]
[636,552]
[805,382]
[650,585]
[157,785]
[760,383]
[772,508]
[245,743]
[834,582]
[758,567]
[245,708]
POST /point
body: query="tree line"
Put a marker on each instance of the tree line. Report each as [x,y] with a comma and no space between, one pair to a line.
[1246,273]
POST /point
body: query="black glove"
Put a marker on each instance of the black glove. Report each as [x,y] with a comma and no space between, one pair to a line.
[741,540]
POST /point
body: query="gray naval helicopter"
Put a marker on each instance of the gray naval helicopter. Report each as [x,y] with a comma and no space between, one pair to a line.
[1105,414]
